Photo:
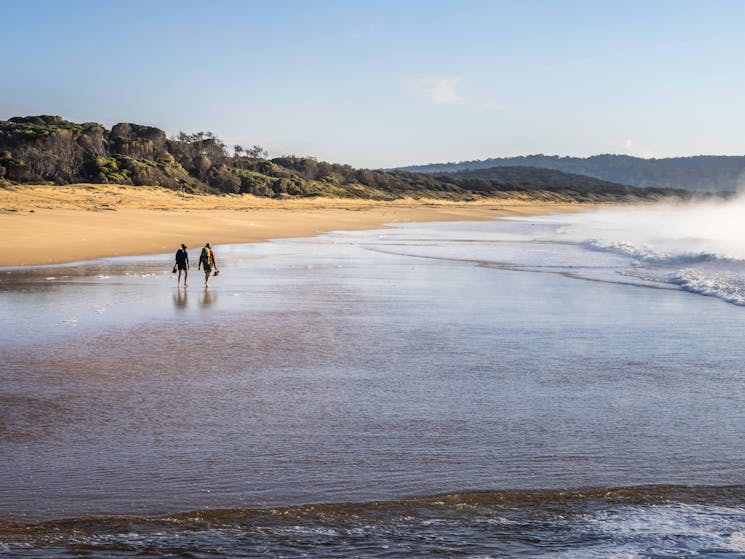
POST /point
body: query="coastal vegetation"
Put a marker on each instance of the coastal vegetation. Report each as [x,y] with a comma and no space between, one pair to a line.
[701,173]
[50,150]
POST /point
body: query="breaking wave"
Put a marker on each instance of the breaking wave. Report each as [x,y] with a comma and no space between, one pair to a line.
[729,287]
[659,521]
[651,255]
[699,247]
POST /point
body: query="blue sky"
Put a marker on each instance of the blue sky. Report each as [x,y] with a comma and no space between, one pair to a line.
[384,83]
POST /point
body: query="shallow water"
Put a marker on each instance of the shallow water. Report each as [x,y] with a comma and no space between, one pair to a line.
[372,366]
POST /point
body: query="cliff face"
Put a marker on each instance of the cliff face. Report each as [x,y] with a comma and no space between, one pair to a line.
[51,149]
[46,147]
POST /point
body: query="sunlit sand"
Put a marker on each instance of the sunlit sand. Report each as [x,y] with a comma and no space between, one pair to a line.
[48,225]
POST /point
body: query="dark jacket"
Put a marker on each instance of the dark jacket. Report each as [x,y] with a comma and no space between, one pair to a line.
[182,257]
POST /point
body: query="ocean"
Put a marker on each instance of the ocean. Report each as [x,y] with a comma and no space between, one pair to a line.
[561,386]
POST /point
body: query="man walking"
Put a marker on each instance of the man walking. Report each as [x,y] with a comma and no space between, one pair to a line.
[182,263]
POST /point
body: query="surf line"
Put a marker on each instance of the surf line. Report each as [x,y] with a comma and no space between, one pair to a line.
[532,269]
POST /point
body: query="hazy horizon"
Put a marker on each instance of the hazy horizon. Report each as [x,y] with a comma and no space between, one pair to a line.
[389,84]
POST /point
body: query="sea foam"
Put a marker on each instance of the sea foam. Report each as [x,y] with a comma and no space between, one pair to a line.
[699,247]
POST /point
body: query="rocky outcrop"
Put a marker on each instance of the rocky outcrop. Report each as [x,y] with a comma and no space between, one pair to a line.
[50,149]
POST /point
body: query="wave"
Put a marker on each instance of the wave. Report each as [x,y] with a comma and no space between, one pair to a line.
[703,273]
[651,255]
[495,500]
[660,521]
[730,289]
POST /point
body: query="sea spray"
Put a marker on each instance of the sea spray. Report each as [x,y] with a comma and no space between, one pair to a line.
[698,246]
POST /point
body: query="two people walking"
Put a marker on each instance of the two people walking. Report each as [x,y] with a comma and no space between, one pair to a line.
[206,261]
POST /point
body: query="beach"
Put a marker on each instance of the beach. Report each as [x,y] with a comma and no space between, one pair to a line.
[51,224]
[372,280]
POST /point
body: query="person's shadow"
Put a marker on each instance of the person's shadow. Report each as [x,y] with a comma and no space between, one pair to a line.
[179,298]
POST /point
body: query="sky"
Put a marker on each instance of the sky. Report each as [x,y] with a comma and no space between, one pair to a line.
[383,83]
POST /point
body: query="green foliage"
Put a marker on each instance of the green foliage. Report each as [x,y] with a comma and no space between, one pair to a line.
[225,180]
[108,171]
[533,178]
[697,173]
[254,183]
[30,128]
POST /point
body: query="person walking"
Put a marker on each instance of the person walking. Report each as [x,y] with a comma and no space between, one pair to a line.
[182,264]
[207,261]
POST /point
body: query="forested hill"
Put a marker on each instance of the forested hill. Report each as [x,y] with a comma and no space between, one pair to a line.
[49,149]
[702,173]
[548,179]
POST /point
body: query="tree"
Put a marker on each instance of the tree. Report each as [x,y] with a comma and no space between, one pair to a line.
[202,164]
[257,152]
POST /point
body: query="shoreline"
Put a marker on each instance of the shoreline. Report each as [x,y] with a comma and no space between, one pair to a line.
[647,493]
[58,225]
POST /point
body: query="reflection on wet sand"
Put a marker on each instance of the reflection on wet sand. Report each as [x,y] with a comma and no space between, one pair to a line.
[180,298]
[207,297]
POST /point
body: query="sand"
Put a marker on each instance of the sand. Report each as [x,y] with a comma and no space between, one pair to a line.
[51,225]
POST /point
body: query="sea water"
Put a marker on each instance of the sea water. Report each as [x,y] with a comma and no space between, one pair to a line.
[542,386]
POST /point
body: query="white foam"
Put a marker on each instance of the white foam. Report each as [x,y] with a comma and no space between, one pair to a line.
[645,253]
[737,541]
[674,530]
[728,288]
[699,247]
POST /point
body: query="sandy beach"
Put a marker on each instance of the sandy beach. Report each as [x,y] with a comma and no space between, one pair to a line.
[51,224]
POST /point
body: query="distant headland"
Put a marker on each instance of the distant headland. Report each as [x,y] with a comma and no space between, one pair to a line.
[698,173]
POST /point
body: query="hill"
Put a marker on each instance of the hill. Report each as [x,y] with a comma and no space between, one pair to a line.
[544,179]
[701,173]
[51,150]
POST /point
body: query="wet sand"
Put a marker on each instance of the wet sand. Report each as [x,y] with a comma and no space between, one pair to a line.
[50,225]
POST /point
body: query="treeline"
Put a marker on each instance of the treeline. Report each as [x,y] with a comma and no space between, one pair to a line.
[521,178]
[49,149]
[701,173]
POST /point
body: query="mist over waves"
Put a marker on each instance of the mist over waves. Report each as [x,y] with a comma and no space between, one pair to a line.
[699,246]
